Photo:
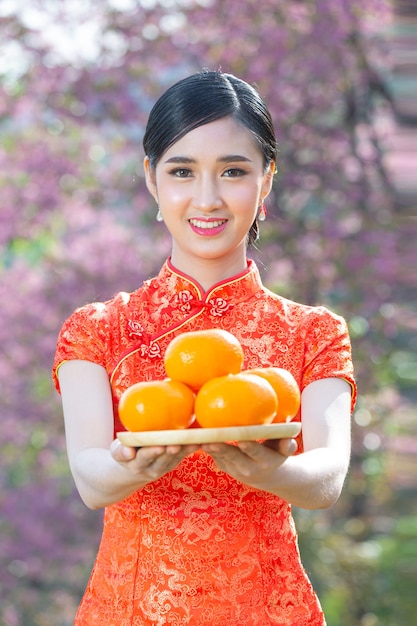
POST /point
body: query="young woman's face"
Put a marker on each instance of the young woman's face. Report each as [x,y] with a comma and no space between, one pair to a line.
[209,186]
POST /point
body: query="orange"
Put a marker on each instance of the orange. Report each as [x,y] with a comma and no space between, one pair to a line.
[235,400]
[286,388]
[157,405]
[197,356]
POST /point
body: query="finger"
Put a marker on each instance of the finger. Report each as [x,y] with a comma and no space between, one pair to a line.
[156,461]
[122,453]
[265,455]
[160,465]
[228,458]
[255,451]
[152,453]
[219,451]
[184,450]
[173,450]
[286,447]
[148,455]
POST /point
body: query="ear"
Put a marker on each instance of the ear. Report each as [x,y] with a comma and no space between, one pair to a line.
[150,178]
[268,180]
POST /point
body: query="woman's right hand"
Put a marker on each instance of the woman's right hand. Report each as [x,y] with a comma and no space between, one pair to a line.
[104,471]
[150,463]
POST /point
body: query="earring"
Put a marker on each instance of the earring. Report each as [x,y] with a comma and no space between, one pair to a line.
[159,217]
[262,213]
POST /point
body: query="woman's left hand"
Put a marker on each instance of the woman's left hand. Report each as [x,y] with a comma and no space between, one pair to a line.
[313,479]
[251,462]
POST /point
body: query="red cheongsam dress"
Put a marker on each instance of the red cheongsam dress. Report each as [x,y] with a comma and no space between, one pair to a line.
[196,546]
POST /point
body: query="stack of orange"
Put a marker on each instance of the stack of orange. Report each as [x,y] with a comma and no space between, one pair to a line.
[206,381]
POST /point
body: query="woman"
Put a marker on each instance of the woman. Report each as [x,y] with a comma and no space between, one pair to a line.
[203,535]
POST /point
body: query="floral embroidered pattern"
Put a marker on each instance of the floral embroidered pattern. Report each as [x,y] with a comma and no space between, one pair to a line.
[218,306]
[197,547]
[154,350]
[135,329]
[184,300]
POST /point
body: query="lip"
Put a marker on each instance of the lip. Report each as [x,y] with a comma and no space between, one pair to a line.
[207,227]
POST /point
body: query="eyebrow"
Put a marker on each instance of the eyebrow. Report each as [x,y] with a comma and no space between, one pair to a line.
[228,158]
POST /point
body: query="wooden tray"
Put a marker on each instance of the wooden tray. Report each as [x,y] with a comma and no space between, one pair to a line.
[209,435]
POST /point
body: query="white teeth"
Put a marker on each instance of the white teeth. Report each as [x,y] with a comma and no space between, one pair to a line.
[201,224]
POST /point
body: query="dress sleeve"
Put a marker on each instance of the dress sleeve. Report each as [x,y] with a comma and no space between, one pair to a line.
[84,335]
[328,351]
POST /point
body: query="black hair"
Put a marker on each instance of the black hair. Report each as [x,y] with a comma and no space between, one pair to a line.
[203,98]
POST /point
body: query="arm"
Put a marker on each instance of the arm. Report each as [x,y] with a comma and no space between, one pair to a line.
[88,415]
[313,479]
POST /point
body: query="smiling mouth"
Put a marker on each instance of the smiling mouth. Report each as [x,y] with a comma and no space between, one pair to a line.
[206,224]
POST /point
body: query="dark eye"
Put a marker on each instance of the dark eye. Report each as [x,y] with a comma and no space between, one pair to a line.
[234,172]
[181,172]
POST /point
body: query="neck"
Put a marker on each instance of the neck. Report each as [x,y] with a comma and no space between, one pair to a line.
[208,272]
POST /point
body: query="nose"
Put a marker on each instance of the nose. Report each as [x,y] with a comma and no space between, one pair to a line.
[207,196]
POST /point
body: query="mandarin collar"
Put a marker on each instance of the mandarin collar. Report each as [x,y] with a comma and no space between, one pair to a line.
[178,284]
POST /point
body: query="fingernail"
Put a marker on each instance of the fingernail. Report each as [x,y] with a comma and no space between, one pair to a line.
[127,453]
[293,447]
